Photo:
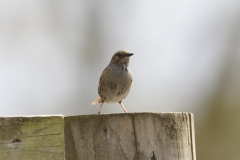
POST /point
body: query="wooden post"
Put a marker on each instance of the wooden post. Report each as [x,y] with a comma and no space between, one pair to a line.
[31,138]
[127,136]
[130,136]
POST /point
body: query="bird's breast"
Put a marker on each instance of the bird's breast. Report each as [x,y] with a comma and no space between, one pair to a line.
[117,85]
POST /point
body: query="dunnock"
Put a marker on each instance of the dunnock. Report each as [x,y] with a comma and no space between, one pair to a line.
[115,81]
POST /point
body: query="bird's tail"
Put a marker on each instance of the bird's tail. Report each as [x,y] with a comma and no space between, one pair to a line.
[98,100]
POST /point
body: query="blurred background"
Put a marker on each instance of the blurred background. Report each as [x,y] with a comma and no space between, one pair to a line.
[186,59]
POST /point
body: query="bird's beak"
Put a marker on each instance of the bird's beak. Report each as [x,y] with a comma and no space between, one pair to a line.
[129,54]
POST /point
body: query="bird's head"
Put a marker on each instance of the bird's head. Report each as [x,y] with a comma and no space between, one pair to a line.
[121,57]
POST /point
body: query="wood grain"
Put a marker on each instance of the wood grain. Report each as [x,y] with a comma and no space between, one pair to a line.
[131,136]
[31,138]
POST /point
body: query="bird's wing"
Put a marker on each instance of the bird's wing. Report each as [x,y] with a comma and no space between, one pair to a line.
[105,74]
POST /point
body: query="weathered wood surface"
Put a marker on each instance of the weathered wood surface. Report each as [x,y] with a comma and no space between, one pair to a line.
[31,138]
[130,136]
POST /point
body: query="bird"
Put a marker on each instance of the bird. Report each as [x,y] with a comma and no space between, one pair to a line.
[116,80]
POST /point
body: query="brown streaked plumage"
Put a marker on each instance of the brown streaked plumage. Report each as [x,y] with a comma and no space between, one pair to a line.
[115,81]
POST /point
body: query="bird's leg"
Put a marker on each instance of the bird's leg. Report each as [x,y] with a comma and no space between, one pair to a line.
[124,109]
[99,112]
